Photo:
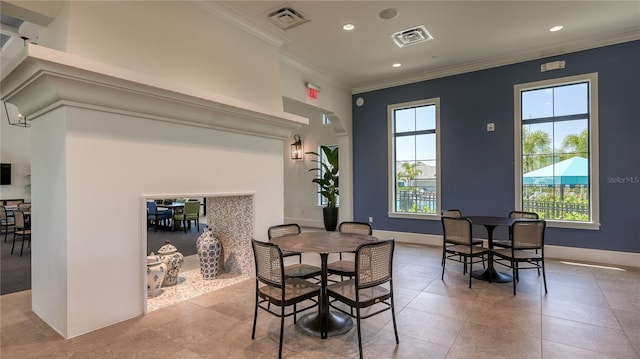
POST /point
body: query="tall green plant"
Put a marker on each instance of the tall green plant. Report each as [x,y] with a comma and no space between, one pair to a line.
[327,171]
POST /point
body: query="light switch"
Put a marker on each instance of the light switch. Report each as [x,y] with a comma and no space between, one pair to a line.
[491,126]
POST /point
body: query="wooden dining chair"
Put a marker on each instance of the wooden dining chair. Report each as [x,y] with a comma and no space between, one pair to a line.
[6,222]
[274,287]
[458,244]
[506,243]
[527,248]
[371,287]
[191,213]
[20,231]
[456,213]
[344,267]
[298,270]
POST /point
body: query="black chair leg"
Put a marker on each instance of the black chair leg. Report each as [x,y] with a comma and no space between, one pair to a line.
[14,242]
[281,332]
[359,332]
[544,278]
[22,246]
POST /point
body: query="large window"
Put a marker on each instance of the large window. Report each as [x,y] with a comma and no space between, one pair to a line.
[414,166]
[556,150]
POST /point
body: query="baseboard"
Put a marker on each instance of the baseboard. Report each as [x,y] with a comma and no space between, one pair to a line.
[612,258]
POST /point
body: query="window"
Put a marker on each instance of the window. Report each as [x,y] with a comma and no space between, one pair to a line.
[414,167]
[556,150]
[325,119]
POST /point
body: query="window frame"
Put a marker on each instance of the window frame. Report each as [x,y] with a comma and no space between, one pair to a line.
[594,170]
[391,210]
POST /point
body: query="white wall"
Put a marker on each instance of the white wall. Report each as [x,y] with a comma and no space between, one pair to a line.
[49,226]
[174,40]
[113,160]
[334,100]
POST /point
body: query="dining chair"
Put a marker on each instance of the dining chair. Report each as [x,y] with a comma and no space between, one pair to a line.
[6,222]
[20,230]
[372,285]
[343,267]
[155,216]
[527,239]
[273,287]
[191,213]
[458,244]
[506,243]
[298,270]
[456,213]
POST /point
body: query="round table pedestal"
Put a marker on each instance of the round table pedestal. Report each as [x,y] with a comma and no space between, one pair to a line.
[492,275]
[339,323]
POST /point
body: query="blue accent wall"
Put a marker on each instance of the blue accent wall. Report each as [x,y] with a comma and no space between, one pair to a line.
[477,167]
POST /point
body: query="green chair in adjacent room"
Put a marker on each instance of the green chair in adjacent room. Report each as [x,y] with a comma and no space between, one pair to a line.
[191,213]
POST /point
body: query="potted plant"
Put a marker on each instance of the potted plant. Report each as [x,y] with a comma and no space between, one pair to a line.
[327,179]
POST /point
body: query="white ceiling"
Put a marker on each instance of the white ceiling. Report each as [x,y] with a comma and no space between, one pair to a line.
[468,35]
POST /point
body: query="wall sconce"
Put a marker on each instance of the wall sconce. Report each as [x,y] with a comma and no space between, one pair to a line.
[15,118]
[296,148]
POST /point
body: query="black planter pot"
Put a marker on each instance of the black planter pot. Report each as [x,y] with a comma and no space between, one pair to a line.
[330,215]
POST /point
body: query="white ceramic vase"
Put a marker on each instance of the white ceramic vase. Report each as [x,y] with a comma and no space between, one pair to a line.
[173,259]
[156,271]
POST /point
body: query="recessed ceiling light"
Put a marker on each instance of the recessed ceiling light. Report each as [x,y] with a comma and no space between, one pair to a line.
[388,14]
[397,64]
[348,27]
[556,28]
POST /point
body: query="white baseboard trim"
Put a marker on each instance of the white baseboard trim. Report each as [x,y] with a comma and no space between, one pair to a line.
[612,258]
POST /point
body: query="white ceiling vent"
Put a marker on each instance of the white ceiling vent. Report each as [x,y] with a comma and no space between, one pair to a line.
[411,36]
[286,17]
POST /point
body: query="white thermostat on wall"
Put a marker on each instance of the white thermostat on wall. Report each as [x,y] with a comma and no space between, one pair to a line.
[491,126]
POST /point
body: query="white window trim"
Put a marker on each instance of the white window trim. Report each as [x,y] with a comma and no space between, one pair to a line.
[391,190]
[594,176]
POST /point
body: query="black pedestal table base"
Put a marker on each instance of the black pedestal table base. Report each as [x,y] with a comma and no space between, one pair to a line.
[492,275]
[339,323]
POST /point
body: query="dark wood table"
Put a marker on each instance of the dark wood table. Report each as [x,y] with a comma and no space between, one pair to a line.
[324,323]
[490,223]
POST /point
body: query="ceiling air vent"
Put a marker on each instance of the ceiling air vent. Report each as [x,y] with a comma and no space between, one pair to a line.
[286,17]
[411,36]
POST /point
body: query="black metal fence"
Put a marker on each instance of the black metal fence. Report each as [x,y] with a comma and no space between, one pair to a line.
[415,202]
[558,210]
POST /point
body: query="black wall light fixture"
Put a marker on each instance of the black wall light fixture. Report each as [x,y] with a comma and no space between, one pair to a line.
[296,148]
[14,116]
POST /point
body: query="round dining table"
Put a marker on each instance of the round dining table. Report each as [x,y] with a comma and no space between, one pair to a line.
[324,323]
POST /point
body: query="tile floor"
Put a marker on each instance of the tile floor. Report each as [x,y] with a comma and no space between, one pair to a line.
[589,312]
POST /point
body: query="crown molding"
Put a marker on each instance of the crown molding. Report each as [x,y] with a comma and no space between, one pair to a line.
[241,22]
[43,79]
[528,55]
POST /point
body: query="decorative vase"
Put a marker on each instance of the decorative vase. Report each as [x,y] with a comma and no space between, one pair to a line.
[330,216]
[173,260]
[210,251]
[156,271]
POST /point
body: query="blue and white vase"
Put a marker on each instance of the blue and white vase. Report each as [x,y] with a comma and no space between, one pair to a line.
[173,259]
[156,270]
[210,253]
